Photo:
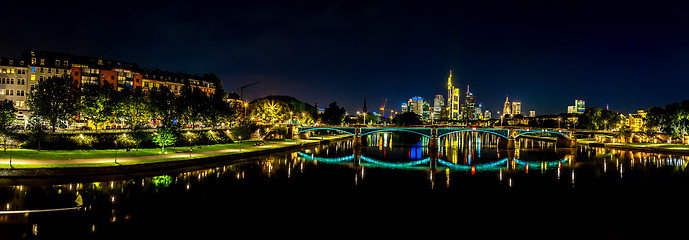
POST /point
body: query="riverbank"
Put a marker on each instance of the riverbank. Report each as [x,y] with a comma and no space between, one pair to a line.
[645,147]
[32,163]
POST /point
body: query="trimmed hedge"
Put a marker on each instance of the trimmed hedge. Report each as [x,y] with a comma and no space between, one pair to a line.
[124,140]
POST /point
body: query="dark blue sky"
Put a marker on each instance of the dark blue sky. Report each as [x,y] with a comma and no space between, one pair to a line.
[543,53]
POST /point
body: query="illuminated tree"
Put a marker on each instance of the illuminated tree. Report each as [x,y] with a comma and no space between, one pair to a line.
[270,110]
[54,99]
[98,103]
[165,136]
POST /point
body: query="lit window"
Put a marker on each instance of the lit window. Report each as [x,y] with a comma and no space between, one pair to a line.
[33,69]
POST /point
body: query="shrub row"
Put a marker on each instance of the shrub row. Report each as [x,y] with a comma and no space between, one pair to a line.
[107,140]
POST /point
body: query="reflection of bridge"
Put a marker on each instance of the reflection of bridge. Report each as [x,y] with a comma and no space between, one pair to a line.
[507,136]
[433,163]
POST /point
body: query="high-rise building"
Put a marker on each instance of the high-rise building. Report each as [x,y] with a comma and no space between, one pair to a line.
[516,108]
[426,110]
[415,104]
[452,99]
[506,110]
[571,109]
[478,113]
[580,106]
[532,113]
[405,107]
[438,104]
[469,108]
[486,115]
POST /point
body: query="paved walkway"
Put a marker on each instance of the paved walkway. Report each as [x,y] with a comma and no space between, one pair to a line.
[154,157]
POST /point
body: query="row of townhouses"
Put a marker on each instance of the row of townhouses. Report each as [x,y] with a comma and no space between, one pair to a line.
[18,76]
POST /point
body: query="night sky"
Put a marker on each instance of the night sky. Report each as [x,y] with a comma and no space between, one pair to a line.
[545,54]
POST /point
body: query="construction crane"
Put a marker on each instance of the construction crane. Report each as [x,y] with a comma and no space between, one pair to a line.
[382,109]
[241,95]
[241,89]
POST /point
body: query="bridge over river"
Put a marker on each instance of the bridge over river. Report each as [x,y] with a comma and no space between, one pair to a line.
[506,135]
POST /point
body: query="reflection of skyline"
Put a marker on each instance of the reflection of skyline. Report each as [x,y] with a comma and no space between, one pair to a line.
[109,202]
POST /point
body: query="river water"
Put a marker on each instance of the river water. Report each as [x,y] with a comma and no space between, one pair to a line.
[391,186]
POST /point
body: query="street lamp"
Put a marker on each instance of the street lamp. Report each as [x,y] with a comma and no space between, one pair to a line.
[10,147]
[115,151]
[240,143]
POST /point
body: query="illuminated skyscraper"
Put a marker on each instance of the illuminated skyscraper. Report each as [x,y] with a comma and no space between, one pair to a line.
[452,99]
[580,106]
[469,108]
[516,108]
[506,110]
[415,104]
[438,104]
[532,113]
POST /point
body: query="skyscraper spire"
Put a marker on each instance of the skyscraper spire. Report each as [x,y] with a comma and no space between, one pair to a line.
[449,79]
[507,109]
[365,110]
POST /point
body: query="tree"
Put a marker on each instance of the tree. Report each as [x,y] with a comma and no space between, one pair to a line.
[165,136]
[244,130]
[270,110]
[7,114]
[98,102]
[55,100]
[134,107]
[162,104]
[218,110]
[333,114]
[407,119]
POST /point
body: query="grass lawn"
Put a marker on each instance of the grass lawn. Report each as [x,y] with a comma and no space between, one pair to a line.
[245,146]
[110,153]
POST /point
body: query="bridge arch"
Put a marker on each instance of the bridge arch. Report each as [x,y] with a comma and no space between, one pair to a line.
[350,131]
[525,132]
[423,132]
[503,133]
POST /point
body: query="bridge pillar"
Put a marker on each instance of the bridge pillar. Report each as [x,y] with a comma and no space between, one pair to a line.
[357,140]
[566,143]
[506,143]
[304,135]
[433,151]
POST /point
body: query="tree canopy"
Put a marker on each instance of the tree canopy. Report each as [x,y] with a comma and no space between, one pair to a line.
[55,99]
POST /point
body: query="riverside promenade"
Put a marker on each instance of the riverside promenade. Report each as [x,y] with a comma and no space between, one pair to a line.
[64,165]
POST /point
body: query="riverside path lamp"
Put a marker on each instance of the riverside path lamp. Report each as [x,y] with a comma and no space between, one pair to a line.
[115,151]
[240,143]
[10,147]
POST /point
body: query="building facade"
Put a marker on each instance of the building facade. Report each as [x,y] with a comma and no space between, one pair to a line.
[636,121]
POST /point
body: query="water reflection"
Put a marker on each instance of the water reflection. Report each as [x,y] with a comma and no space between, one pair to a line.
[464,162]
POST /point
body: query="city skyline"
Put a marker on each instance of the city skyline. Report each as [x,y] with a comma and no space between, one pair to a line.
[545,55]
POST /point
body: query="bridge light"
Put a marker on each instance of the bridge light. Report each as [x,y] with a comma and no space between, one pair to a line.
[473,128]
[560,130]
[527,129]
